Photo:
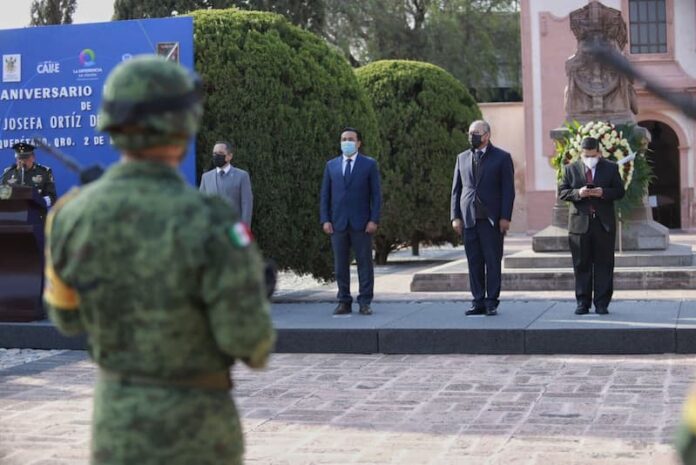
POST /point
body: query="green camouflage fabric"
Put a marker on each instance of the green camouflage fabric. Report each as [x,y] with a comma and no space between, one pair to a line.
[164,290]
[685,441]
[149,81]
[39,177]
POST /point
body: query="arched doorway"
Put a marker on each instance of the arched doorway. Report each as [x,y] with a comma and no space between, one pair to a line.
[664,192]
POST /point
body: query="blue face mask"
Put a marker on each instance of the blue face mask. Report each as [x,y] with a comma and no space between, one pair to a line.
[348,147]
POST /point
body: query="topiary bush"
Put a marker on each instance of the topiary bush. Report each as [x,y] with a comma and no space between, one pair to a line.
[283,96]
[424,115]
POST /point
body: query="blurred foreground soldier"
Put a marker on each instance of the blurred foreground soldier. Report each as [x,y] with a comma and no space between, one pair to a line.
[166,283]
[26,172]
[591,185]
[686,434]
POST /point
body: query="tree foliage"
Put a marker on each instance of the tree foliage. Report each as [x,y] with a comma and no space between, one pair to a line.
[478,41]
[45,12]
[424,114]
[283,96]
[305,13]
[136,9]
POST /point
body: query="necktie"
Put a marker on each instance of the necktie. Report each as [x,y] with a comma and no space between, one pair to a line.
[218,181]
[477,162]
[588,178]
[346,173]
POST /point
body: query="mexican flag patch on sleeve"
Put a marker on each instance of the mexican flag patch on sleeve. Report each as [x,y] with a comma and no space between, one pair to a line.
[240,234]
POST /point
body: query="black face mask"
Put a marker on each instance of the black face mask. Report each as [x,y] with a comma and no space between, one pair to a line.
[219,160]
[475,140]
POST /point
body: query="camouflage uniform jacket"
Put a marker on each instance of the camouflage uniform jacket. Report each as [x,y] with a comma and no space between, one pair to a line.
[155,273]
[39,177]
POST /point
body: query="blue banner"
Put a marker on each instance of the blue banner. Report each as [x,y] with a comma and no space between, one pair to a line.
[52,81]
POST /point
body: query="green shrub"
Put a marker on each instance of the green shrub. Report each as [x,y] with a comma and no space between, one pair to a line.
[283,96]
[424,115]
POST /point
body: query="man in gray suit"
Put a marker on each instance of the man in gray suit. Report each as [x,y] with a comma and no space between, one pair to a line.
[228,182]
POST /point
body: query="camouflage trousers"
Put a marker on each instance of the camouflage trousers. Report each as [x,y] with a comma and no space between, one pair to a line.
[154,425]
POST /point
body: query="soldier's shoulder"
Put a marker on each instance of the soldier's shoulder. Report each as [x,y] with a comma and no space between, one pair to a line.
[9,168]
[217,209]
[41,167]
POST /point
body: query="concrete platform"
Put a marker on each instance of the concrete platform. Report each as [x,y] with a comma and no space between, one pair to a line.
[521,327]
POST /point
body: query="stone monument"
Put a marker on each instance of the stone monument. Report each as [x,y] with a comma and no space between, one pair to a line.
[597,92]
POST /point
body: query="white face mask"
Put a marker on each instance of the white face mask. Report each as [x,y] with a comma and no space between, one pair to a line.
[590,162]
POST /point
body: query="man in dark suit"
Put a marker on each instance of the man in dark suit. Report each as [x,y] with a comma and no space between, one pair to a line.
[350,206]
[592,184]
[483,193]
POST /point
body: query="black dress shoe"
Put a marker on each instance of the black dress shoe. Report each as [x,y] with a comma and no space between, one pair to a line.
[582,310]
[365,310]
[342,309]
[491,311]
[475,311]
[601,310]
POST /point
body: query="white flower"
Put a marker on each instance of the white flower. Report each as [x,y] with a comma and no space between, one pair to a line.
[593,133]
[574,153]
[619,154]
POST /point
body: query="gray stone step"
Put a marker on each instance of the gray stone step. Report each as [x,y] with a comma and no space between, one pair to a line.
[454,277]
[675,255]
[521,327]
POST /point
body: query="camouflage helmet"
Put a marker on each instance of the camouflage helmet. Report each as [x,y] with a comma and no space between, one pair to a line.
[150,101]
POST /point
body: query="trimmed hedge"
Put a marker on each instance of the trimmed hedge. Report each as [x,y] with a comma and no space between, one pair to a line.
[283,96]
[424,115]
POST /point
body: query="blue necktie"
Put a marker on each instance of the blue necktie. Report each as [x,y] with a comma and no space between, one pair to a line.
[346,173]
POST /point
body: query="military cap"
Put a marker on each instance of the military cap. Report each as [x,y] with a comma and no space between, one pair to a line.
[23,149]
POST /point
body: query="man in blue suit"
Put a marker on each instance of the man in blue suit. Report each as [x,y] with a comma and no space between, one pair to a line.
[351,199]
[483,193]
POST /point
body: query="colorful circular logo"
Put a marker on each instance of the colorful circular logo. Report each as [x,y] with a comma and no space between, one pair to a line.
[87,57]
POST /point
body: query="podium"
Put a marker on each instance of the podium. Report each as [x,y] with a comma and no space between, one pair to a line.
[22,215]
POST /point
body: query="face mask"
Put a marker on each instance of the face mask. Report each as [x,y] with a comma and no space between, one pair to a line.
[590,162]
[219,160]
[475,140]
[348,147]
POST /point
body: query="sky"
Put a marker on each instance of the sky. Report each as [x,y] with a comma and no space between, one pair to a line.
[16,13]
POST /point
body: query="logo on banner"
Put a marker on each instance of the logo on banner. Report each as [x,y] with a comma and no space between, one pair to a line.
[12,68]
[87,57]
[89,70]
[48,67]
[169,50]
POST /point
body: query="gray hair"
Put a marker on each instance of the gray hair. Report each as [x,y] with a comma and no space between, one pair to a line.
[484,125]
[229,146]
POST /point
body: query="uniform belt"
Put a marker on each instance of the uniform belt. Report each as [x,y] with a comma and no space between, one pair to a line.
[216,380]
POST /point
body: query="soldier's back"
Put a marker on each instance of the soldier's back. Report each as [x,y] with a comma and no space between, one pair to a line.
[134,246]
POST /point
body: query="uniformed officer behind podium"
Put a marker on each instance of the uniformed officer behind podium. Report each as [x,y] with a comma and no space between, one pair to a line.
[26,172]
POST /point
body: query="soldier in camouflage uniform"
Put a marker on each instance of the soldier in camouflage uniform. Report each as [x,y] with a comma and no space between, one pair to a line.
[166,283]
[37,176]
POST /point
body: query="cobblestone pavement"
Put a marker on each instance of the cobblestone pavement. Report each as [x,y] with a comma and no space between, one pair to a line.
[382,409]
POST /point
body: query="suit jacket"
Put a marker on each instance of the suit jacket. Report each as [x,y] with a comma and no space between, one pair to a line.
[352,204]
[234,188]
[495,187]
[607,177]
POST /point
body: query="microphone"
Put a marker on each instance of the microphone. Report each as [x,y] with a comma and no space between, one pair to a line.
[608,55]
